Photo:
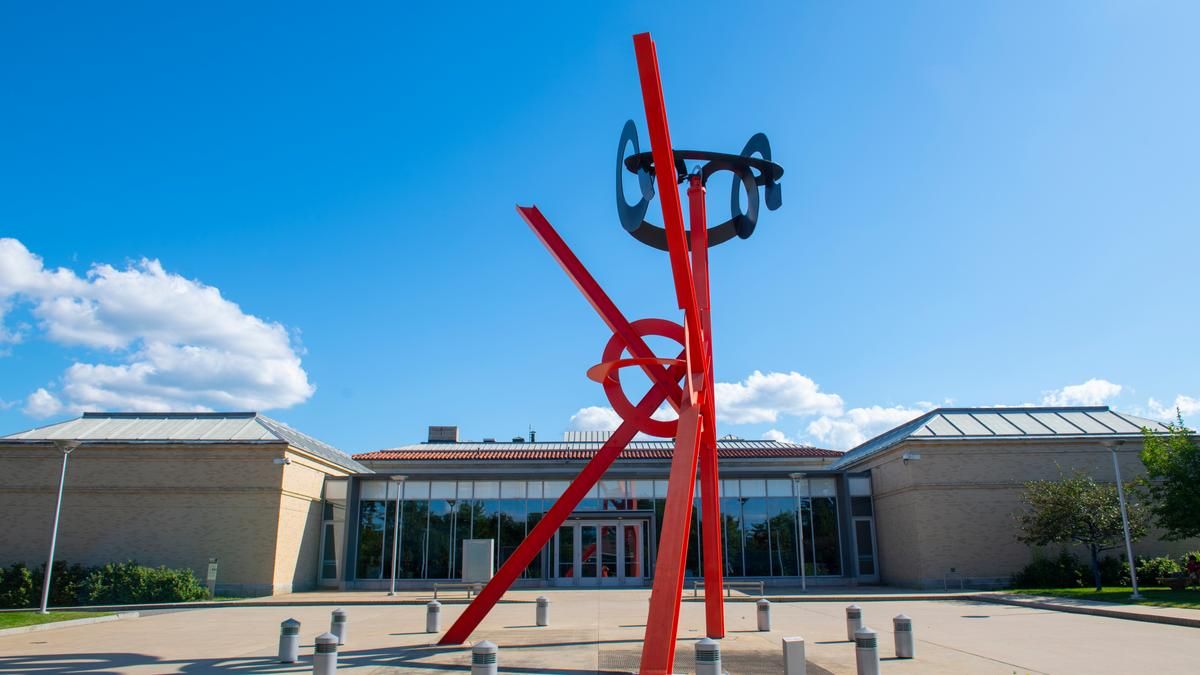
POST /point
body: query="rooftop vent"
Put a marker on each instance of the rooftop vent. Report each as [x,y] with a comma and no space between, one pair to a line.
[518,439]
[489,440]
[443,434]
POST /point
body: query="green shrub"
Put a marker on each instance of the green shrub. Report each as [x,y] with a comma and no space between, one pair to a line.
[1183,559]
[130,583]
[66,583]
[1151,569]
[16,587]
[1114,571]
[1064,571]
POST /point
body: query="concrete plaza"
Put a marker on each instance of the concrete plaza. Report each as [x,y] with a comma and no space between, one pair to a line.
[601,630]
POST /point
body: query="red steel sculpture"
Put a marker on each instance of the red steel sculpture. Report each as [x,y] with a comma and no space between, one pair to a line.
[685,382]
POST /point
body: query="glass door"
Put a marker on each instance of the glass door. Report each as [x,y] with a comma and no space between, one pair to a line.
[864,546]
[632,554]
[600,553]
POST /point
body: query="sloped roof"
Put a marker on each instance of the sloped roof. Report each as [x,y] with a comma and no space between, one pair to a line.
[1092,422]
[726,449]
[216,427]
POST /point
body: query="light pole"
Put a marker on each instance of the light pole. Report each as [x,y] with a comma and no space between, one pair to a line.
[396,531]
[796,478]
[1112,446]
[65,447]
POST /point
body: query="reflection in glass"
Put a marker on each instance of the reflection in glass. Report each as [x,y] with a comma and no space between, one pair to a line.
[566,552]
[587,551]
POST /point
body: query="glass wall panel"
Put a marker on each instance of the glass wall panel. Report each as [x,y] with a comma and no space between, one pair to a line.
[440,537]
[464,519]
[592,501]
[757,545]
[731,514]
[536,506]
[613,495]
[371,519]
[784,540]
[511,529]
[389,530]
[826,559]
[694,562]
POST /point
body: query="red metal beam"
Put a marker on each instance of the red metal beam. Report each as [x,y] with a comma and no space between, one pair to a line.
[710,494]
[668,188]
[662,621]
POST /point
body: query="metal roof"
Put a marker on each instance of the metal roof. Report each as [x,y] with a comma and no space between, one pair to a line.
[217,427]
[585,450]
[1090,422]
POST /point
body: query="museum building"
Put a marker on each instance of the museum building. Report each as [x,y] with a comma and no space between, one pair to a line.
[930,503]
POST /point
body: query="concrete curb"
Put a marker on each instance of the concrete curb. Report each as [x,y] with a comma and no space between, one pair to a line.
[221,604]
[68,623]
[1112,612]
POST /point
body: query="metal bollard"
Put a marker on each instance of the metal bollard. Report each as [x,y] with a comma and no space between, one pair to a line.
[866,651]
[289,641]
[794,662]
[708,657]
[325,655]
[543,611]
[853,621]
[337,625]
[433,616]
[902,629]
[484,656]
[764,614]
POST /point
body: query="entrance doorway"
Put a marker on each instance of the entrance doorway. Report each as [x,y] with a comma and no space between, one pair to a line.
[600,553]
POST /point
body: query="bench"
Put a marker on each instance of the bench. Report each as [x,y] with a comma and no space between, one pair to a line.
[1175,582]
[471,588]
[729,586]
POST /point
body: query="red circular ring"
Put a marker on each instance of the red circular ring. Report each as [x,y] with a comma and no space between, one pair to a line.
[612,384]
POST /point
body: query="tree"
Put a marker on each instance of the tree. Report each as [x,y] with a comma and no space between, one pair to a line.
[1077,510]
[1173,463]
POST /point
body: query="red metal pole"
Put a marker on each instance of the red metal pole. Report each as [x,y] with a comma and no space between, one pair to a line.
[668,188]
[710,497]
[662,622]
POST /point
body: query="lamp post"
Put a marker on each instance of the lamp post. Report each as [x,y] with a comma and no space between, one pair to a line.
[65,447]
[1112,446]
[796,478]
[399,480]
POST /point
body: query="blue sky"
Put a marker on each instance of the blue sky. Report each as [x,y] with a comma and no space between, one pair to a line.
[309,210]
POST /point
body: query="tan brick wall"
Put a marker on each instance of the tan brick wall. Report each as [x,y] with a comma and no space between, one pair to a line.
[298,546]
[173,504]
[955,507]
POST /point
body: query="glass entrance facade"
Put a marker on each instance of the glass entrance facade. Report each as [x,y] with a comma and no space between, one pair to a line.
[771,527]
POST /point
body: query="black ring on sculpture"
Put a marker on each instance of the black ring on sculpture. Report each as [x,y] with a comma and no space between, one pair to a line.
[751,171]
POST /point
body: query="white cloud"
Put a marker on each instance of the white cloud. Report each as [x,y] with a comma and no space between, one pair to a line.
[1186,405]
[42,403]
[776,435]
[842,432]
[594,418]
[1092,392]
[764,397]
[176,343]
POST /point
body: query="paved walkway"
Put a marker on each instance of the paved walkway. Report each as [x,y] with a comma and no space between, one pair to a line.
[600,631]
